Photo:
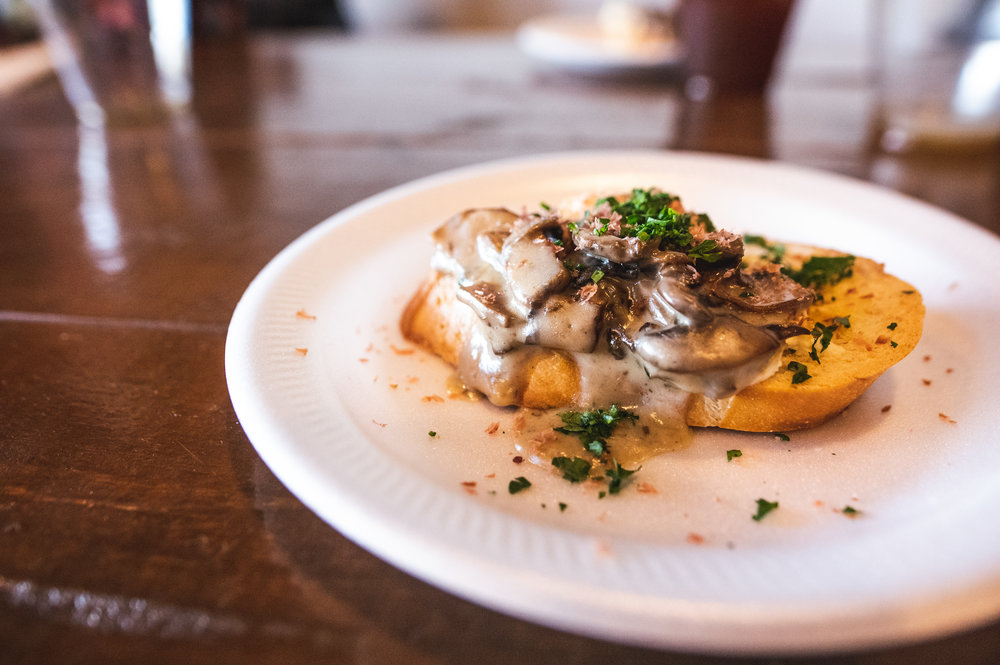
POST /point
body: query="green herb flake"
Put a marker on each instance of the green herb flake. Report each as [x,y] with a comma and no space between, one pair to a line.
[518,484]
[775,252]
[851,511]
[432,433]
[763,508]
[822,334]
[593,427]
[843,321]
[893,344]
[819,271]
[562,507]
[597,276]
[545,206]
[617,476]
[706,221]
[575,470]
[799,372]
[781,436]
[707,250]
[730,454]
[892,326]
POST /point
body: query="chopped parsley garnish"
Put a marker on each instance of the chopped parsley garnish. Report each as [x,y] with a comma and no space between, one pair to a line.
[432,433]
[617,475]
[851,511]
[781,436]
[799,371]
[518,484]
[647,215]
[763,508]
[545,206]
[843,321]
[562,507]
[593,427]
[596,276]
[707,250]
[893,344]
[892,326]
[575,470]
[730,454]
[820,271]
[822,334]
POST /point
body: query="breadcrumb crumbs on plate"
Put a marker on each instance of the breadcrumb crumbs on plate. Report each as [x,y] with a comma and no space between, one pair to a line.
[393,385]
[695,538]
[926,382]
[885,409]
[401,351]
[946,418]
[432,398]
[303,314]
[603,548]
[927,359]
[646,488]
[301,350]
[493,428]
[379,424]
[363,360]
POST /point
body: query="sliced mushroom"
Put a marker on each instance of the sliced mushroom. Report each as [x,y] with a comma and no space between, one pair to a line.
[532,266]
[762,296]
[717,359]
[675,300]
[458,240]
[487,301]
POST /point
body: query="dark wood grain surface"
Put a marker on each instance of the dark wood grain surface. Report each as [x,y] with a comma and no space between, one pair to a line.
[137,524]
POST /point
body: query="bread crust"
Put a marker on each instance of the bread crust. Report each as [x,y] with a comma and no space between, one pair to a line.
[886,322]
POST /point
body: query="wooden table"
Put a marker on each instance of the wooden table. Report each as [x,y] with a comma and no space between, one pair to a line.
[137,524]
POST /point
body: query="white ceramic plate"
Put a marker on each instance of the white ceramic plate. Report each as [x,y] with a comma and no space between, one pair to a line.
[340,407]
[576,43]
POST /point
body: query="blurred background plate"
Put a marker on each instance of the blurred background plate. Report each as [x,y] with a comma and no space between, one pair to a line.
[581,43]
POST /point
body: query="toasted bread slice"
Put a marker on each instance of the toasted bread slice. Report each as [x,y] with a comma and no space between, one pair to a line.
[877,320]
[886,321]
